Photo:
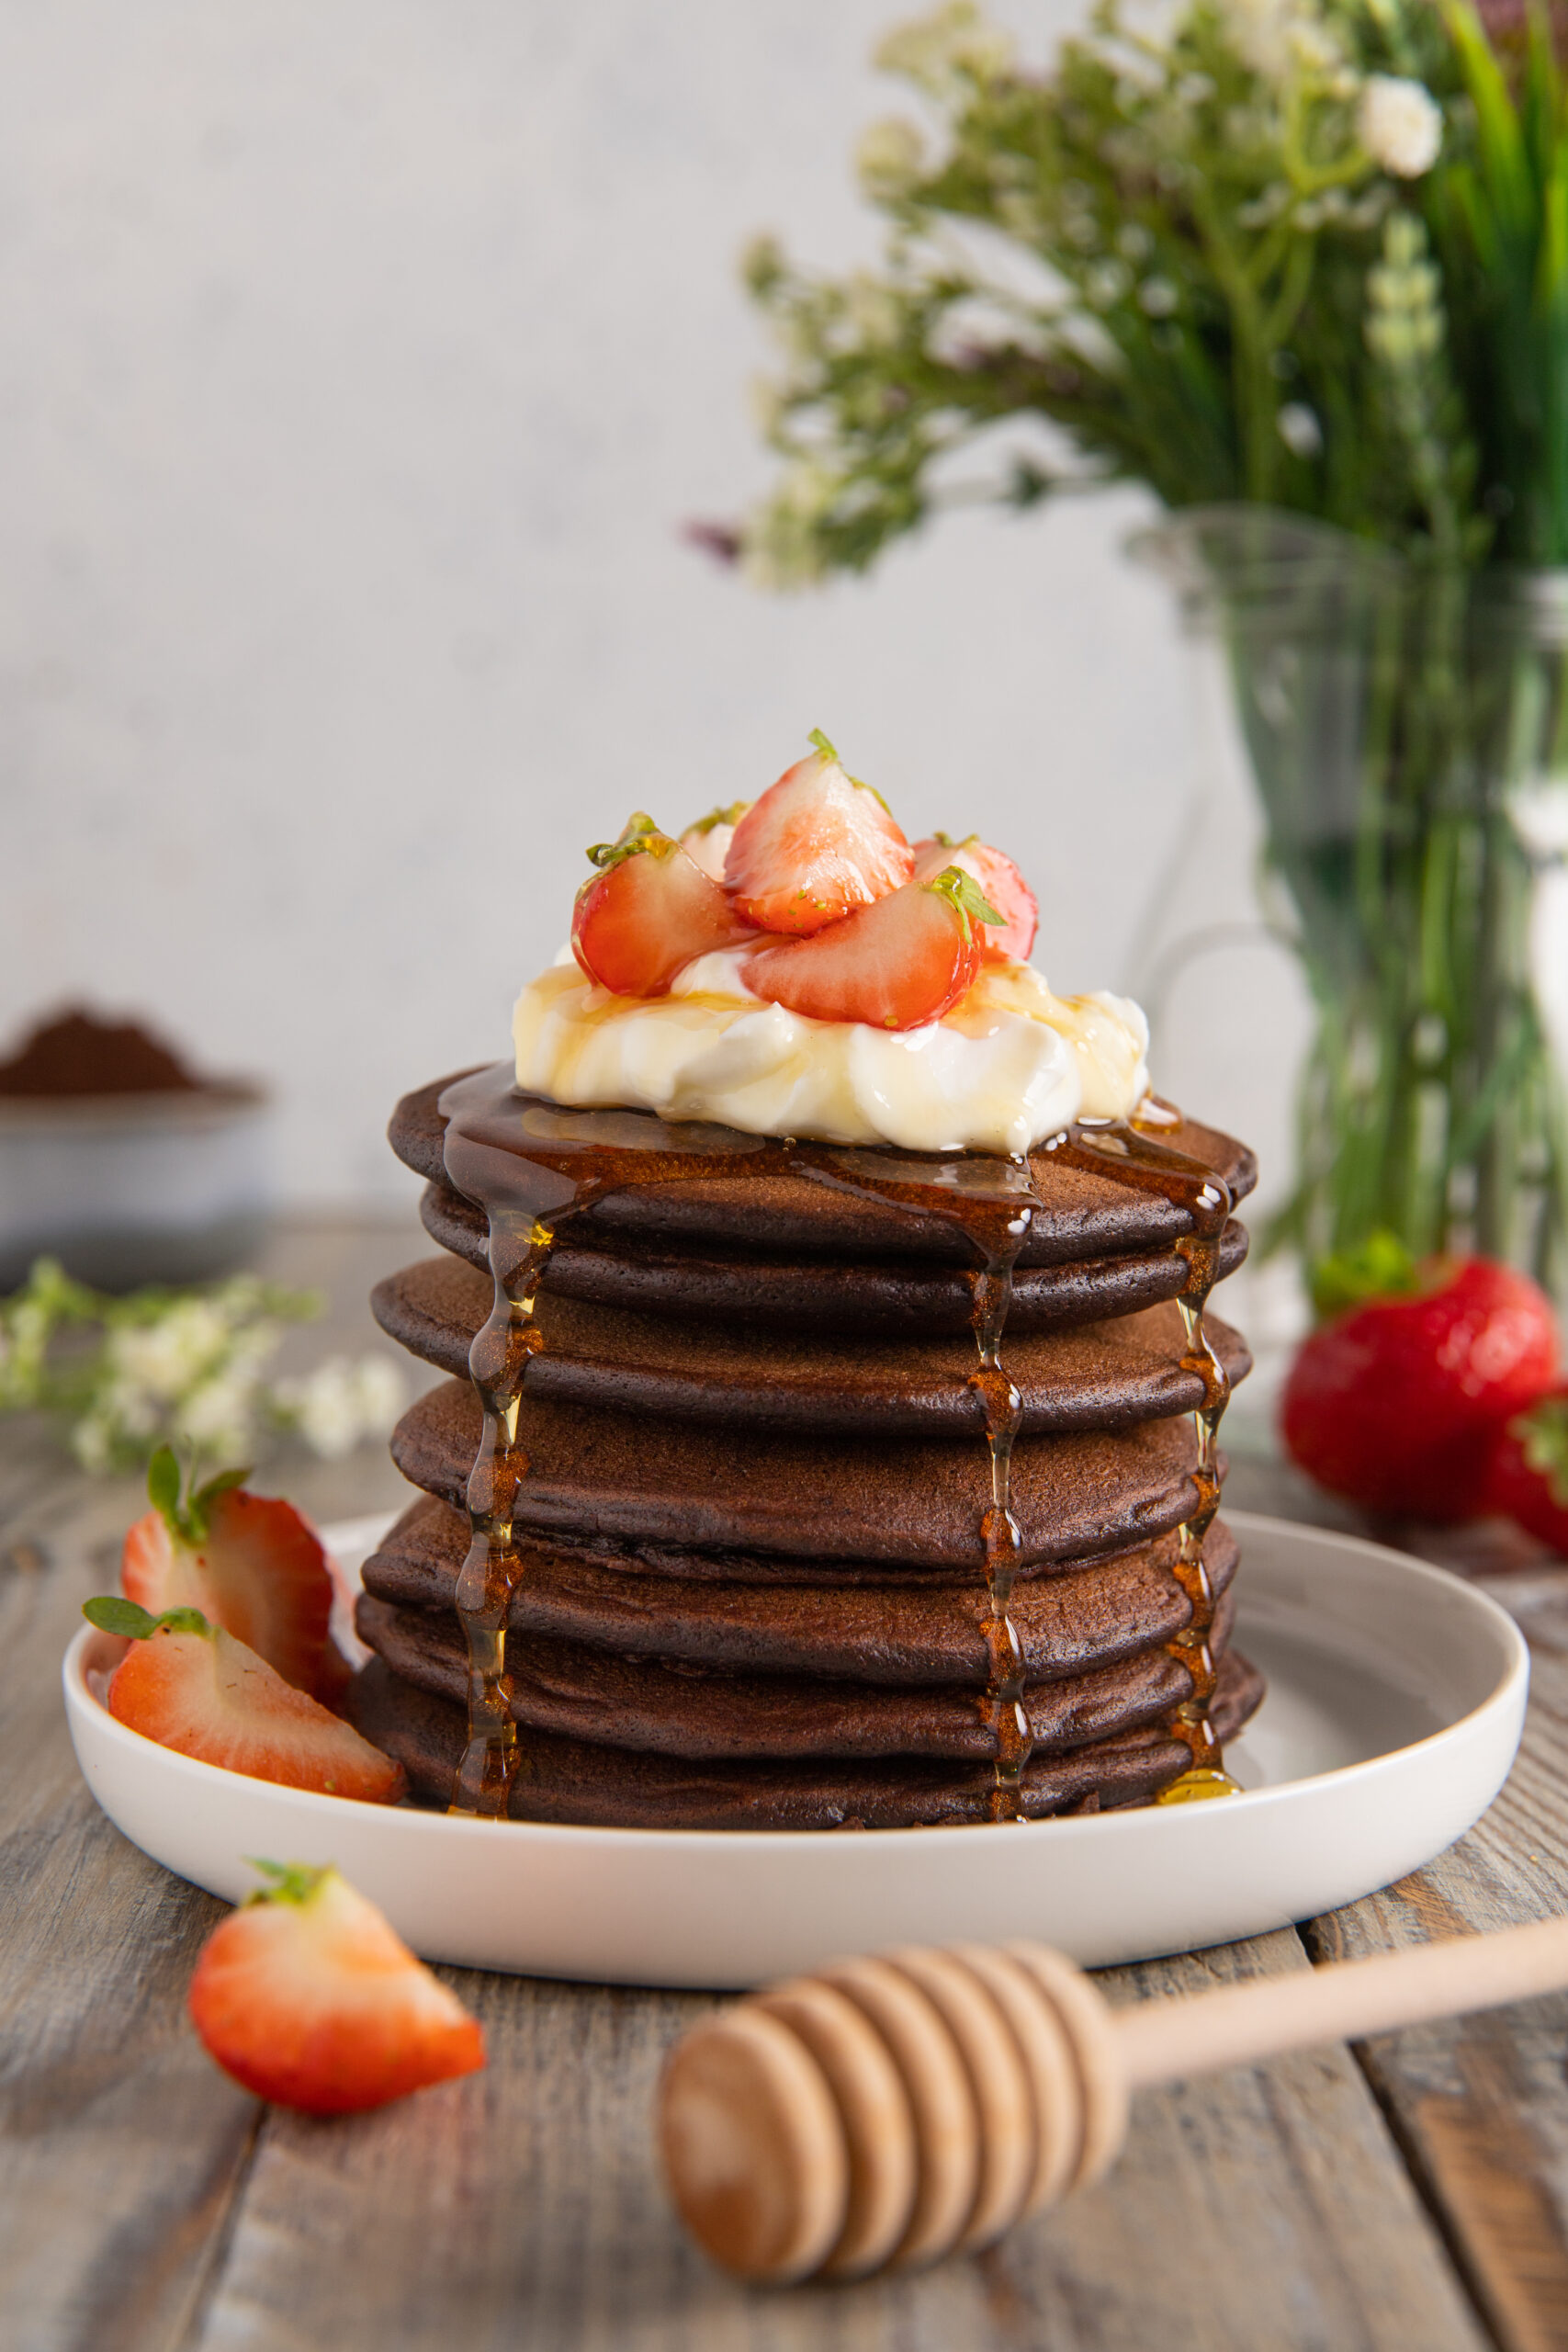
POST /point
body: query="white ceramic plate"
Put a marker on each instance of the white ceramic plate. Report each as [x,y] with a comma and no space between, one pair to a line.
[1396,1699]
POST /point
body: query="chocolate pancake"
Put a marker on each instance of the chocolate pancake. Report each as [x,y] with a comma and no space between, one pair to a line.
[617,1477]
[618,1788]
[1102,1376]
[1087,1613]
[682,1709]
[913,1301]
[1084,1215]
[738,1466]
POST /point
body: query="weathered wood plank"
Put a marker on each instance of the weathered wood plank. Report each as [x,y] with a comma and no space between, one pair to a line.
[1480,2104]
[1267,2208]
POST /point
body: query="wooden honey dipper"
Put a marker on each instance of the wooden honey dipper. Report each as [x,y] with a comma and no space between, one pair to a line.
[886,2111]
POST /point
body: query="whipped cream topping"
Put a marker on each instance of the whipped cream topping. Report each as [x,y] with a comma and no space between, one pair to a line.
[1009,1064]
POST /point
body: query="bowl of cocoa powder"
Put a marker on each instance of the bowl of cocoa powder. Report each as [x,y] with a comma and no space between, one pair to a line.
[123,1163]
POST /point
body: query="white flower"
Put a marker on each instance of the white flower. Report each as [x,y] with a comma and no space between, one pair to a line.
[219,1417]
[342,1403]
[1400,124]
[1260,30]
[166,1357]
[871,310]
[938,49]
[1299,430]
[890,159]
[1159,297]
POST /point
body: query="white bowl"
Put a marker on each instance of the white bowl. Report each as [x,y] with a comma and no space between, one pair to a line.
[1396,1700]
[126,1189]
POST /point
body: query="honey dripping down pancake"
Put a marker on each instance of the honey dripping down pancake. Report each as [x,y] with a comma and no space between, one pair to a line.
[1066,1609]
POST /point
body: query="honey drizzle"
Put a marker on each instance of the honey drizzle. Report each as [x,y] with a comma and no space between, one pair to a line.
[533,1167]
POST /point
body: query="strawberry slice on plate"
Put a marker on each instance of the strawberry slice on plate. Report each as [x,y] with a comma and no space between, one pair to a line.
[817,845]
[1003,885]
[648,911]
[249,1563]
[306,1996]
[706,843]
[192,1687]
[896,964]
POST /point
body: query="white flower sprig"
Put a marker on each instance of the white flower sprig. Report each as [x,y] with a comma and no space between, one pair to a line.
[182,1367]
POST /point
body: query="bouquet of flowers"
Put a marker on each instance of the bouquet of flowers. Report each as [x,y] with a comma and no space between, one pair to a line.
[1286,258]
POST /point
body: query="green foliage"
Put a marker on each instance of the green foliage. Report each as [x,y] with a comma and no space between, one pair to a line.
[964,892]
[1543,1434]
[1381,1268]
[639,832]
[292,1881]
[189,1522]
[113,1615]
[1311,254]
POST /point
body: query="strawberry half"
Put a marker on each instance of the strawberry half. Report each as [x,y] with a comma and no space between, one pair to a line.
[647,911]
[817,845]
[249,1563]
[896,965]
[192,1687]
[306,1997]
[706,843]
[1003,885]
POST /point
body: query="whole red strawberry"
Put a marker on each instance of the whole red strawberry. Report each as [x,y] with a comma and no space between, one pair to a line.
[1396,1402]
[1529,1469]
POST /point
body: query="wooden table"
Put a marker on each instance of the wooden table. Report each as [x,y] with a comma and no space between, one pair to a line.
[1411,2193]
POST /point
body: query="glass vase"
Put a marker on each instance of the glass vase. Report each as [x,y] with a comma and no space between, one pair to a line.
[1406,733]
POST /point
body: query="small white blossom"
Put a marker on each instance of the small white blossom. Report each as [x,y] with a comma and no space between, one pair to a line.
[1400,124]
[1159,297]
[342,1403]
[219,1417]
[1299,430]
[954,42]
[871,310]
[890,160]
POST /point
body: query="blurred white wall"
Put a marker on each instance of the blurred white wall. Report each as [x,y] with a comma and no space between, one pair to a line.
[358,367]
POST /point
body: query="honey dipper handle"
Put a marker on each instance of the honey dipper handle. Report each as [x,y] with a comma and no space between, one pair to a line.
[1164,2040]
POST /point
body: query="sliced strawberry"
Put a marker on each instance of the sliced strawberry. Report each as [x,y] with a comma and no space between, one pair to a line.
[306,1997]
[250,1563]
[647,912]
[192,1687]
[817,844]
[706,843]
[896,965]
[1002,884]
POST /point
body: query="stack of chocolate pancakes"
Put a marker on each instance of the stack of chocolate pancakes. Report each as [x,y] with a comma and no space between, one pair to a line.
[741,1542]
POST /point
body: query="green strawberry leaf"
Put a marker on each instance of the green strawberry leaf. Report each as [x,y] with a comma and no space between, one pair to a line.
[948,841]
[111,1614]
[1381,1267]
[639,832]
[200,1503]
[825,750]
[730,816]
[1542,1433]
[189,1521]
[296,1882]
[965,894]
[163,1486]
